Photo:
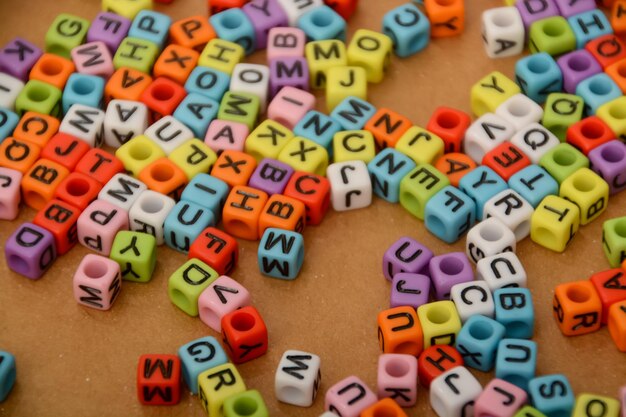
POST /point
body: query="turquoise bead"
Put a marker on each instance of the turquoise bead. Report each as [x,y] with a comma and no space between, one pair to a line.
[7,374]
[318,127]
[198,356]
[234,25]
[386,171]
[449,214]
[588,26]
[151,26]
[208,82]
[196,112]
[408,28]
[534,183]
[352,113]
[323,23]
[538,75]
[596,91]
[478,340]
[8,122]
[552,395]
[516,361]
[514,309]
[481,184]
[207,191]
[83,89]
[185,223]
[281,253]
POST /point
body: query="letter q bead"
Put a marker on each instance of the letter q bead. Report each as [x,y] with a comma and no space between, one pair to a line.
[97,282]
[297,378]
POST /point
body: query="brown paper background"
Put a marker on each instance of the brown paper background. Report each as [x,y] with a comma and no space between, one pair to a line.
[75,361]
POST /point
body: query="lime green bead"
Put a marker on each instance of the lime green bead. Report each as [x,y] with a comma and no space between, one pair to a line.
[613,114]
[137,54]
[344,82]
[127,8]
[614,241]
[65,33]
[267,140]
[305,155]
[321,56]
[562,161]
[418,186]
[193,157]
[528,411]
[554,223]
[440,322]
[138,153]
[240,107]
[136,254]
[491,91]
[422,146]
[552,35]
[39,97]
[221,55]
[354,145]
[245,404]
[561,111]
[212,390]
[588,191]
[372,51]
[187,283]
[592,405]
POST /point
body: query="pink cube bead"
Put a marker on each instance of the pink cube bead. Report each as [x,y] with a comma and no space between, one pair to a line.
[397,378]
[224,135]
[285,42]
[622,398]
[9,193]
[97,282]
[93,58]
[290,105]
[499,399]
[349,397]
[223,296]
[98,225]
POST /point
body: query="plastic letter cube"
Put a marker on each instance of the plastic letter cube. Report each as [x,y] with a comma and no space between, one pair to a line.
[99,224]
[158,379]
[240,107]
[271,176]
[588,134]
[93,58]
[554,223]
[40,182]
[560,112]
[406,255]
[614,241]
[12,91]
[244,334]
[221,55]
[218,384]
[198,356]
[481,184]
[66,32]
[500,399]
[589,25]
[208,82]
[37,96]
[135,252]
[220,298]
[408,28]
[472,298]
[18,57]
[264,16]
[7,374]
[30,250]
[503,32]
[577,308]
[281,253]
[516,361]
[436,360]
[372,51]
[449,214]
[448,270]
[491,91]
[97,282]
[512,210]
[109,28]
[323,23]
[514,309]
[552,35]
[123,120]
[285,42]
[538,75]
[187,283]
[534,141]
[350,185]
[588,191]
[85,123]
[477,342]
[313,191]
[352,113]
[267,140]
[596,91]
[419,186]
[191,32]
[485,133]
[501,271]
[552,395]
[533,183]
[387,170]
[135,53]
[617,329]
[78,189]
[453,393]
[297,378]
[440,323]
[122,190]
[289,106]
[126,84]
[397,378]
[349,397]
[249,402]
[577,66]
[234,25]
[399,331]
[10,197]
[343,82]
[487,238]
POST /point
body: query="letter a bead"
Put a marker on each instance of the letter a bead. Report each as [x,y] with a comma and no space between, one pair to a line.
[297,378]
[399,331]
[349,397]
[97,282]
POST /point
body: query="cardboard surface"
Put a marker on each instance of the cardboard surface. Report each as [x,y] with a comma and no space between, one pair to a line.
[76,361]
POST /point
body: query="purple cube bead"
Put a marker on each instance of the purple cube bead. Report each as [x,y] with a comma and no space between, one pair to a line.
[406,255]
[577,66]
[30,250]
[409,289]
[568,8]
[271,176]
[264,15]
[18,57]
[110,29]
[288,71]
[533,10]
[609,162]
[448,270]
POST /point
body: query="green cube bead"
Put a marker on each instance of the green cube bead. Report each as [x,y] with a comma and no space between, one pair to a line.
[562,161]
[528,411]
[136,254]
[552,35]
[418,186]
[137,54]
[248,404]
[614,241]
[39,97]
[66,33]
[187,283]
[239,107]
[561,111]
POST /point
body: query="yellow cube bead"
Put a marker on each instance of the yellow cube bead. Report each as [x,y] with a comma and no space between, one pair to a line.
[305,155]
[554,223]
[221,55]
[420,145]
[354,145]
[187,283]
[193,157]
[344,82]
[510,2]
[372,51]
[491,91]
[322,56]
[138,153]
[267,140]
[216,385]
[613,114]
[127,8]
[591,405]
[588,191]
[440,323]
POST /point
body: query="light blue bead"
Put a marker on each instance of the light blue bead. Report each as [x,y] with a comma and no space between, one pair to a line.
[478,340]
[198,356]
[596,91]
[151,26]
[538,75]
[516,361]
[352,113]
[7,374]
[386,171]
[481,184]
[8,122]
[208,82]
[83,89]
[408,28]
[234,25]
[281,253]
[196,112]
[588,26]
[449,214]
[552,395]
[318,127]
[514,309]
[323,23]
[185,223]
[534,184]
[207,191]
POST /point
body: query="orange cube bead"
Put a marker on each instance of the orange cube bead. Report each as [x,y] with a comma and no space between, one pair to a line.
[162,97]
[99,165]
[399,331]
[387,127]
[40,182]
[59,218]
[52,69]
[607,49]
[617,325]
[193,32]
[577,308]
[618,17]
[176,63]
[65,149]
[282,212]
[506,159]
[313,191]
[165,177]
[36,128]
[19,155]
[447,18]
[450,125]
[78,189]
[385,407]
[234,167]
[617,72]
[454,166]
[242,210]
[611,288]
[126,84]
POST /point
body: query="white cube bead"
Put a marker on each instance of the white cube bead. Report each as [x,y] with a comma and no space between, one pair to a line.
[350,185]
[472,298]
[123,120]
[122,190]
[328,414]
[501,270]
[511,209]
[503,32]
[84,122]
[148,213]
[10,88]
[452,393]
[520,111]
[168,133]
[487,132]
[534,140]
[489,237]
[294,9]
[297,378]
[253,79]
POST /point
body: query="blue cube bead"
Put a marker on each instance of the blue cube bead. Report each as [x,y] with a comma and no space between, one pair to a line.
[207,191]
[7,374]
[185,223]
[588,26]
[352,113]
[234,25]
[449,214]
[323,23]
[151,26]
[8,122]
[83,89]
[514,309]
[538,75]
[281,253]
[552,395]
[208,82]
[408,28]
[318,127]
[386,171]
[198,356]
[478,340]
[596,91]
[516,361]
[481,184]
[534,183]
[196,112]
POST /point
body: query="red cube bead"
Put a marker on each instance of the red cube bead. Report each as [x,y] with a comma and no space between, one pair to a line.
[65,149]
[158,379]
[436,360]
[100,165]
[506,159]
[450,125]
[78,189]
[59,218]
[162,97]
[611,287]
[313,191]
[589,133]
[217,249]
[345,8]
[216,6]
[244,334]
[607,49]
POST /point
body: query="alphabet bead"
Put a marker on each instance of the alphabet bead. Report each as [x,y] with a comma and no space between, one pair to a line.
[449,214]
[109,28]
[597,90]
[613,240]
[485,133]
[588,191]
[450,125]
[226,135]
[421,146]
[617,329]
[288,71]
[503,32]
[577,308]
[323,23]
[455,166]
[353,145]
[284,42]
[560,112]
[135,53]
[562,161]
[30,250]
[552,395]
[289,106]
[372,51]
[40,182]
[18,57]
[505,160]
[10,197]
[164,177]
[242,403]
[399,331]
[218,384]
[313,191]
[162,97]
[78,189]
[187,283]
[221,297]
[267,140]
[252,79]
[516,361]
[607,49]
[387,170]
[397,378]
[409,289]
[185,223]
[234,167]
[533,183]
[406,255]
[168,133]
[447,19]
[453,393]
[240,107]
[199,356]
[158,379]
[343,82]
[192,32]
[554,223]
[588,134]
[280,253]
[408,28]
[207,81]
[472,298]
[538,75]
[501,271]
[18,155]
[126,84]
[217,249]
[7,374]
[97,282]
[98,225]
[271,176]
[149,212]
[577,66]
[244,334]
[65,149]
[349,397]
[514,309]
[138,153]
[135,252]
[615,71]
[512,210]
[489,237]
[586,404]
[176,63]
[478,340]
[440,323]
[419,186]
[242,210]
[221,55]
[52,69]
[491,91]
[552,35]
[350,185]
[297,378]
[520,111]
[93,58]
[282,212]
[534,141]
[387,406]
[59,218]
[436,360]
[8,123]
[85,123]
[305,155]
[122,190]
[35,96]
[611,114]
[448,270]
[196,112]
[193,158]
[499,399]
[589,25]
[66,32]
[264,15]
[207,191]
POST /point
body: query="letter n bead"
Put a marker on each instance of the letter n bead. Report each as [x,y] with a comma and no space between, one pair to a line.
[387,170]
[349,397]
[452,394]
[158,379]
[30,250]
[297,378]
[187,283]
[397,378]
[577,308]
[198,356]
[499,399]
[399,331]
[244,334]
[97,282]
[281,253]
[7,374]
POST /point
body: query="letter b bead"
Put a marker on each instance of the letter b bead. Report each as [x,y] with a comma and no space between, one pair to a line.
[297,378]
